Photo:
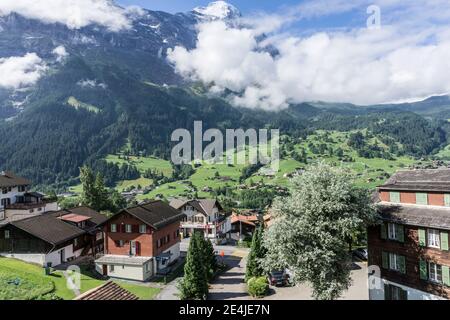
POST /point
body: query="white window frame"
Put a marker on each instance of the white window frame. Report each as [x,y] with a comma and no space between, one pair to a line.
[7,234]
[433,238]
[113,227]
[128,228]
[142,228]
[393,262]
[434,272]
[392,231]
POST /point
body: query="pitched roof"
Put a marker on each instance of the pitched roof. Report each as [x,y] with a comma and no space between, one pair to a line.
[205,206]
[108,291]
[8,179]
[53,230]
[416,215]
[419,180]
[157,213]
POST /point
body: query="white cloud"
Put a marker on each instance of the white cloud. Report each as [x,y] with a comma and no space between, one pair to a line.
[19,72]
[73,13]
[361,66]
[60,52]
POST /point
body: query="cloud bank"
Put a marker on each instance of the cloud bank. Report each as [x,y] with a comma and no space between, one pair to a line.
[402,60]
[19,72]
[74,14]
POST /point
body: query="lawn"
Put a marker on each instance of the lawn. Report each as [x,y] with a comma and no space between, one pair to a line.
[144,163]
[34,282]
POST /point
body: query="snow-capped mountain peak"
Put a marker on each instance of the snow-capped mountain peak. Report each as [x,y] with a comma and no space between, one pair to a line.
[218,10]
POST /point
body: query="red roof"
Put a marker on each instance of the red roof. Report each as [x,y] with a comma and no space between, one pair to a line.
[244,219]
[72,217]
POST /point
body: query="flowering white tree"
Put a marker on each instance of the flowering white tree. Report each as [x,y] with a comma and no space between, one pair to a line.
[313,225]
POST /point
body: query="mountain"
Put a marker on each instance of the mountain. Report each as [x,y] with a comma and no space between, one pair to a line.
[100,89]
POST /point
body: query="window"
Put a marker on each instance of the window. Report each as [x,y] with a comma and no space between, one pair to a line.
[113,227]
[111,268]
[147,267]
[142,228]
[392,292]
[119,243]
[22,188]
[7,234]
[435,273]
[394,196]
[392,231]
[128,228]
[75,242]
[159,243]
[394,261]
[434,238]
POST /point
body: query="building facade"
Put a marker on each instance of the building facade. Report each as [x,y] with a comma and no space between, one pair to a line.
[16,202]
[411,246]
[53,238]
[141,241]
[205,215]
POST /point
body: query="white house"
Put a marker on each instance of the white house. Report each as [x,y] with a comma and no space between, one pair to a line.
[203,214]
[17,203]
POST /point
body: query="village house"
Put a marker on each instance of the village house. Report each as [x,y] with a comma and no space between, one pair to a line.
[16,202]
[411,246]
[204,215]
[53,238]
[141,241]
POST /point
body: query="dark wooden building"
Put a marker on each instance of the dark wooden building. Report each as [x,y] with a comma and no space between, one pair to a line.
[411,246]
[54,237]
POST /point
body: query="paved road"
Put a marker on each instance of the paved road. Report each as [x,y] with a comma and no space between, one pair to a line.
[231,285]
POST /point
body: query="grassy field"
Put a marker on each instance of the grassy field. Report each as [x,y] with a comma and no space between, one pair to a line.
[369,172]
[72,101]
[34,282]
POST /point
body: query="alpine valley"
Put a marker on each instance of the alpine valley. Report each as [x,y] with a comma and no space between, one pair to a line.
[110,99]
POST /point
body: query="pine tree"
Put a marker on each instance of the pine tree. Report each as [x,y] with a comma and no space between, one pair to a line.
[88,195]
[194,285]
[209,257]
[102,197]
[257,253]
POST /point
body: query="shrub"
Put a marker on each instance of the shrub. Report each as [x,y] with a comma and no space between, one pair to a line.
[258,287]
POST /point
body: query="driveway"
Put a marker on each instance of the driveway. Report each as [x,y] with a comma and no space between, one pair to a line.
[357,291]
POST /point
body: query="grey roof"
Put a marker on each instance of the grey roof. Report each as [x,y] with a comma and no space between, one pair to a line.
[419,180]
[157,213]
[125,260]
[55,231]
[17,217]
[416,215]
[8,179]
[205,206]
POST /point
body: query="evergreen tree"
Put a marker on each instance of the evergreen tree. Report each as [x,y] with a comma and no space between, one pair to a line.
[256,255]
[101,201]
[88,195]
[209,257]
[194,285]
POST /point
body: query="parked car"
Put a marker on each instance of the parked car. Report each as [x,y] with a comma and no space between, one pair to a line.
[361,253]
[278,278]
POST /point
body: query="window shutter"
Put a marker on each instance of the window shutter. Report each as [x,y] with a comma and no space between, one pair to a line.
[422,238]
[421,198]
[446,275]
[447,199]
[387,292]
[385,260]
[402,264]
[444,240]
[394,196]
[423,270]
[403,294]
[383,231]
[400,233]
